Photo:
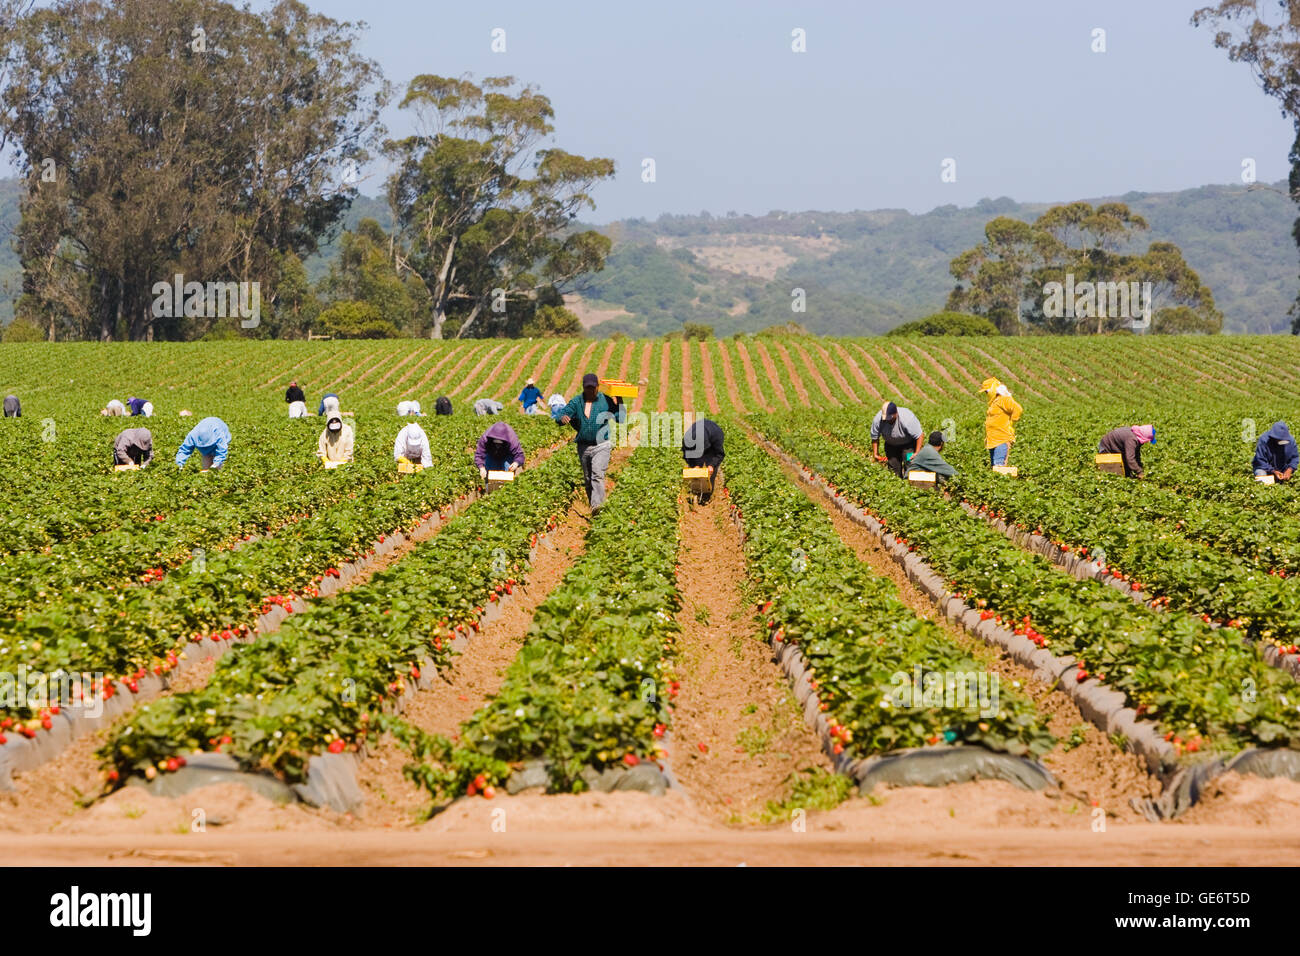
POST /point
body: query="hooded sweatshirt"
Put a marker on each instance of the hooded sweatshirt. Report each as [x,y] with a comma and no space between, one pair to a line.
[1276,450]
[413,445]
[497,448]
[13,407]
[133,446]
[335,446]
[211,436]
[1127,442]
[702,444]
[136,405]
[1002,413]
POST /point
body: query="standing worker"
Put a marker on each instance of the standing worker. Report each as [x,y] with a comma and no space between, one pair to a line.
[133,446]
[999,421]
[1128,442]
[702,448]
[589,415]
[1276,453]
[335,443]
[930,458]
[211,439]
[498,450]
[413,445]
[901,433]
[13,407]
[529,398]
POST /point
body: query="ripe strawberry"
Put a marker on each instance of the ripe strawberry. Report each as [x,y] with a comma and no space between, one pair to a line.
[173,765]
[336,746]
[704,748]
[489,793]
[631,759]
[481,781]
[659,730]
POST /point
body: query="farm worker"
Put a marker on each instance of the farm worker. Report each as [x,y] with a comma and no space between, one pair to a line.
[589,415]
[702,448]
[498,450]
[487,406]
[529,398]
[442,406]
[999,421]
[405,409]
[413,445]
[138,405]
[113,408]
[147,410]
[329,403]
[930,458]
[294,394]
[335,442]
[211,439]
[1276,453]
[13,407]
[901,433]
[556,403]
[297,409]
[133,446]
[1128,442]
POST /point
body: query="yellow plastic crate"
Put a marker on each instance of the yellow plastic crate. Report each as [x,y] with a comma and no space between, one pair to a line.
[619,388]
[408,467]
[131,467]
[1009,470]
[1113,464]
[332,464]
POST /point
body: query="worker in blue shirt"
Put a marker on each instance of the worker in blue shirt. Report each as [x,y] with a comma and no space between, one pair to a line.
[529,398]
[211,439]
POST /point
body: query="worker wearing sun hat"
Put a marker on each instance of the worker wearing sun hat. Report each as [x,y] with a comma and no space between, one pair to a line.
[999,420]
[529,398]
[1128,442]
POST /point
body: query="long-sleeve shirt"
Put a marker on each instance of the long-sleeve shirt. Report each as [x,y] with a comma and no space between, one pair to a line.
[999,427]
[326,405]
[294,394]
[1276,450]
[133,446]
[413,445]
[702,444]
[336,446]
[13,407]
[497,448]
[593,428]
[905,429]
[211,437]
[136,405]
[1122,441]
[529,396]
[930,458]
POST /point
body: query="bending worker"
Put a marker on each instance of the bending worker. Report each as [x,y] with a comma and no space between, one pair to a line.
[901,433]
[329,404]
[133,446]
[114,408]
[211,439]
[412,444]
[999,421]
[930,458]
[13,407]
[589,415]
[1128,442]
[498,450]
[335,442]
[1276,453]
[140,406]
[702,448]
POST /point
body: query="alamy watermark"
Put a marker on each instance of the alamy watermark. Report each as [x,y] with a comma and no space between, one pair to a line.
[951,690]
[211,300]
[37,690]
[1098,300]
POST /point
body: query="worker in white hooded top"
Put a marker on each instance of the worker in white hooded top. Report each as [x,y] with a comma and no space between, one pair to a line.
[113,408]
[409,409]
[413,445]
[336,441]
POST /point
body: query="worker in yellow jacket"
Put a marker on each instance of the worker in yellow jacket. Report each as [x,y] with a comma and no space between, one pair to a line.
[999,421]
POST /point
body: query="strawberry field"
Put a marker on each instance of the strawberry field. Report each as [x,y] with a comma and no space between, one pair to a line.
[278,621]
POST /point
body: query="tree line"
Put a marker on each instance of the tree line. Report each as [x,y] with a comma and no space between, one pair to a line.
[194,139]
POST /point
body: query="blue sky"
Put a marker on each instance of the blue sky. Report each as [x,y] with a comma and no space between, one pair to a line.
[735,120]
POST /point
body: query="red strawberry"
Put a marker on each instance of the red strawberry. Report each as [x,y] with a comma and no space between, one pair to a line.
[704,748]
[336,746]
[631,760]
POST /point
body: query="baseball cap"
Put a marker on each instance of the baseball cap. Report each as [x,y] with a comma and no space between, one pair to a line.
[891,410]
[590,379]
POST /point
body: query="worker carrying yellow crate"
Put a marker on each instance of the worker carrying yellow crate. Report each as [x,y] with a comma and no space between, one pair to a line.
[702,448]
[498,450]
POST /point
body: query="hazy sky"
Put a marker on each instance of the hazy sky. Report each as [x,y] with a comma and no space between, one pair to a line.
[735,120]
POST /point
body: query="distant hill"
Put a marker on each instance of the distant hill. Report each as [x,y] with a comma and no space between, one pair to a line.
[862,273]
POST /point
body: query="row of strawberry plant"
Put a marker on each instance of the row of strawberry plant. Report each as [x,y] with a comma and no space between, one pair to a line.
[589,690]
[862,643]
[324,677]
[133,630]
[1207,688]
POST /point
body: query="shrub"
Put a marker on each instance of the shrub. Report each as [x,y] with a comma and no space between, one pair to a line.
[946,323]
